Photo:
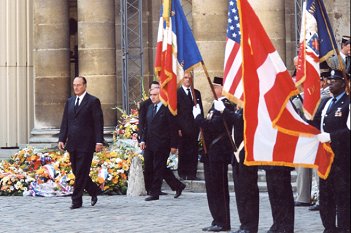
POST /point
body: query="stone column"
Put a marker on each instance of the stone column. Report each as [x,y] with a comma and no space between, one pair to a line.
[51,63]
[97,52]
[209,29]
[274,11]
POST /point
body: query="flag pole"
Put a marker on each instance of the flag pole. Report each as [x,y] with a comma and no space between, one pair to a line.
[195,103]
[215,97]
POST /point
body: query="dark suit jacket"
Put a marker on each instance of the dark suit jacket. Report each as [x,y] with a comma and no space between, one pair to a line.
[160,131]
[185,118]
[142,116]
[335,124]
[219,147]
[81,130]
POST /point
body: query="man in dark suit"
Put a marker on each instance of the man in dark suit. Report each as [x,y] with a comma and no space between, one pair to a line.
[81,134]
[245,177]
[187,129]
[219,155]
[159,138]
[143,106]
[334,192]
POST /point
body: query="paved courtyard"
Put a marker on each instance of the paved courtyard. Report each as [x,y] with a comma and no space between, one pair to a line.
[188,214]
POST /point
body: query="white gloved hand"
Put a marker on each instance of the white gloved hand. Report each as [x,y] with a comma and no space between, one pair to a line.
[219,105]
[323,137]
[196,111]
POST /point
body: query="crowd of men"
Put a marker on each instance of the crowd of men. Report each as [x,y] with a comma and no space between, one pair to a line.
[221,134]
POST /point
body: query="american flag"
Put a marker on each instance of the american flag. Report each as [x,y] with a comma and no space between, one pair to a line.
[233,87]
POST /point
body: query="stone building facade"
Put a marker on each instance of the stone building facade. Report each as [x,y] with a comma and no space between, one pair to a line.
[44,44]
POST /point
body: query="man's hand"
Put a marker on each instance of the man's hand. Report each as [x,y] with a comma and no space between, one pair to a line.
[173,150]
[196,110]
[180,133]
[142,145]
[323,137]
[219,105]
[99,147]
[61,146]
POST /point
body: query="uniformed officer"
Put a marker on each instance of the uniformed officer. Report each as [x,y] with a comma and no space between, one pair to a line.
[245,177]
[334,192]
[219,155]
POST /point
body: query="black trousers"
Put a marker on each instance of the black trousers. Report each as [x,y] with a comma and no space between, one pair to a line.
[334,200]
[188,156]
[281,199]
[155,170]
[81,162]
[216,178]
[246,194]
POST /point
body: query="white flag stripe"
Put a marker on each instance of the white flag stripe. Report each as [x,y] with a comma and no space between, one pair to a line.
[265,135]
[306,150]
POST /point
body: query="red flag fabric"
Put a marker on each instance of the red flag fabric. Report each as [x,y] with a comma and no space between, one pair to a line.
[317,44]
[274,133]
[176,51]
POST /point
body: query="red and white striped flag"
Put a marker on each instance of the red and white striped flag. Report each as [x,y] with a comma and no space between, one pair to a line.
[274,133]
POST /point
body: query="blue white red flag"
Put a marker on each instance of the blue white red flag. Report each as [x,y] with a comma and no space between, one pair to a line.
[317,44]
[176,51]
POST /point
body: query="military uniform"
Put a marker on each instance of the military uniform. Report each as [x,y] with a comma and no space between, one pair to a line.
[245,178]
[334,192]
[219,155]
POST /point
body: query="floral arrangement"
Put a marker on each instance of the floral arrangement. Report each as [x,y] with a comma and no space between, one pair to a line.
[48,173]
[127,127]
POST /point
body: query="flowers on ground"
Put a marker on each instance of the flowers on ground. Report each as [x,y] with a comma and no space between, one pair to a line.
[127,127]
[48,172]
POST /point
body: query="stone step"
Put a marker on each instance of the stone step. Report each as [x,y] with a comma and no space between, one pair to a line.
[198,186]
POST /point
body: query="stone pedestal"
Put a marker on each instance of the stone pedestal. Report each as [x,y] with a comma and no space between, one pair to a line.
[136,185]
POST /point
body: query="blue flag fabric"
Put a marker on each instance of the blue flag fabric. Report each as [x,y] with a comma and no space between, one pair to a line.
[327,43]
[188,52]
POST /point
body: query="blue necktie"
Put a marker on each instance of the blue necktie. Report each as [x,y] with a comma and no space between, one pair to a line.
[331,104]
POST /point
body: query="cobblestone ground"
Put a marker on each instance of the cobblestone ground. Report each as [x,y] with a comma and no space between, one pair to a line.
[189,213]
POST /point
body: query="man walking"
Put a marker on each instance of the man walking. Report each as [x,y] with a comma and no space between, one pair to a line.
[159,138]
[81,134]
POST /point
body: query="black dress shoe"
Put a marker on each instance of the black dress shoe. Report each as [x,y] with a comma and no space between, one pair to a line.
[217,228]
[192,178]
[297,203]
[75,206]
[151,198]
[94,199]
[206,228]
[179,191]
[315,207]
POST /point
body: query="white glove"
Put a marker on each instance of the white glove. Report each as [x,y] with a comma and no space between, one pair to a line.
[219,105]
[323,137]
[196,111]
